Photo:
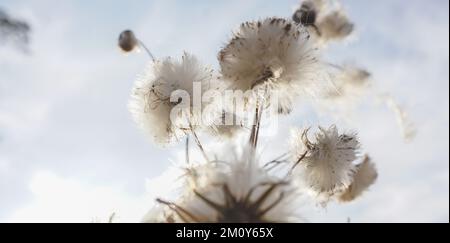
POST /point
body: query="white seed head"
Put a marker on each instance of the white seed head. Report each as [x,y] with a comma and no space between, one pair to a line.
[271,55]
[365,176]
[151,104]
[234,190]
[326,165]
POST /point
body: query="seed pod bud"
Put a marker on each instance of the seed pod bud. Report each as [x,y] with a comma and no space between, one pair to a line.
[128,41]
[306,15]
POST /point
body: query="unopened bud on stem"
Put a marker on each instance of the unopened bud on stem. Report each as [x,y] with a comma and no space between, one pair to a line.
[128,41]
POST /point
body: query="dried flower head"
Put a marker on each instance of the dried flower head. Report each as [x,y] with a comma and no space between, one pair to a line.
[365,176]
[308,12]
[325,165]
[270,55]
[128,41]
[327,23]
[233,192]
[152,100]
[335,26]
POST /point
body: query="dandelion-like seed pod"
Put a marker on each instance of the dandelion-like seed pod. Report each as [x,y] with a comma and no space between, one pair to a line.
[326,164]
[365,176]
[271,55]
[239,191]
[151,104]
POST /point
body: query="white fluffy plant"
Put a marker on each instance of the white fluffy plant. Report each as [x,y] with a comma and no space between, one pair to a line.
[273,58]
[166,84]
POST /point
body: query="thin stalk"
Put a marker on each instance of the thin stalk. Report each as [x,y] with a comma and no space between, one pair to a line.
[276,162]
[256,126]
[146,50]
[199,144]
[297,163]
[187,151]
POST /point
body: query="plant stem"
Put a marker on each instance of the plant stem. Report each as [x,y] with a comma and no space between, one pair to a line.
[146,50]
[199,144]
[187,150]
[296,164]
[276,162]
[256,126]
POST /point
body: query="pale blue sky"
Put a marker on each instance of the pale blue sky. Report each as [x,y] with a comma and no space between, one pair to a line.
[63,116]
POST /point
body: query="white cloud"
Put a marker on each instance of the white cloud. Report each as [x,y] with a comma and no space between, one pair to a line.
[62,199]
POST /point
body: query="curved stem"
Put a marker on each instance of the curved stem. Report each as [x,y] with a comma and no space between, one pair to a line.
[276,160]
[297,163]
[146,50]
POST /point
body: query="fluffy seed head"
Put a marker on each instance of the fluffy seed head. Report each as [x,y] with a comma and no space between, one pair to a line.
[326,164]
[151,104]
[271,55]
[365,176]
[239,191]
